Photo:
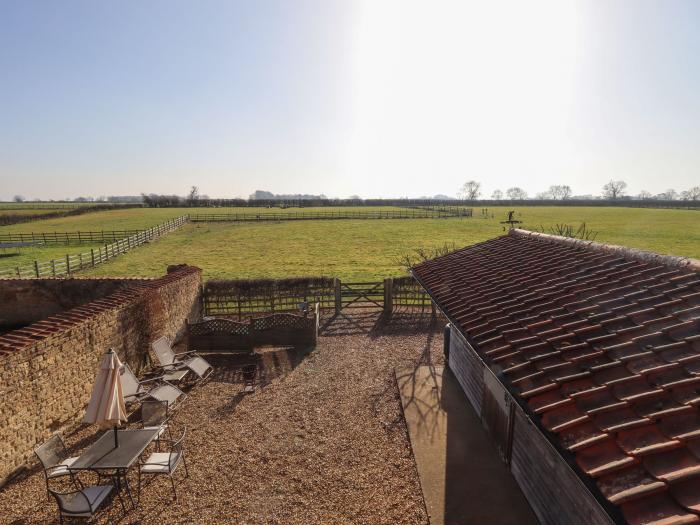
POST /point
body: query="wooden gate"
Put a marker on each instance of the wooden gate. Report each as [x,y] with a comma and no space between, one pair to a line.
[361,295]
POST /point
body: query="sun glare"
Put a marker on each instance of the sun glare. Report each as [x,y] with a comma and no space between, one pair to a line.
[441,93]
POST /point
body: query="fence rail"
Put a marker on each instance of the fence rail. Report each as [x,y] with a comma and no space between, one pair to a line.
[249,298]
[245,297]
[412,213]
[65,238]
[72,263]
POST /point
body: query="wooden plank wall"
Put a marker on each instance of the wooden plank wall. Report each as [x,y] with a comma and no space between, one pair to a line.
[553,489]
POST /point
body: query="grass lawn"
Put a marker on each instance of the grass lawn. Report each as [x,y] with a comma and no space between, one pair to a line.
[121,219]
[370,249]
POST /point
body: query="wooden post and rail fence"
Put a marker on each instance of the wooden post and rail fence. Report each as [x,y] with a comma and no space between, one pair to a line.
[244,298]
[73,263]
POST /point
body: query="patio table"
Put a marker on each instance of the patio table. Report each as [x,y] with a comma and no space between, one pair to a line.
[103,455]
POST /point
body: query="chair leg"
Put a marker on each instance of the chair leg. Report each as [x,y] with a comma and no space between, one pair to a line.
[172,482]
[187,473]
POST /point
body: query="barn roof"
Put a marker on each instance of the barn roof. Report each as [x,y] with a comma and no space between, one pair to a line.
[601,344]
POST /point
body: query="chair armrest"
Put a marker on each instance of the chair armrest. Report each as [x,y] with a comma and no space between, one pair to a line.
[162,424]
[159,378]
[173,366]
[137,396]
[186,353]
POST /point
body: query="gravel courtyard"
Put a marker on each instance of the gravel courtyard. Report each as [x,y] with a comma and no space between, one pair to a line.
[321,441]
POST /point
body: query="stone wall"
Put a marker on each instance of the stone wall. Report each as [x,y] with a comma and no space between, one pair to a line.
[47,369]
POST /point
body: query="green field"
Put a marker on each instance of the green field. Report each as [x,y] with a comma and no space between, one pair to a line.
[123,219]
[370,249]
[142,218]
[350,249]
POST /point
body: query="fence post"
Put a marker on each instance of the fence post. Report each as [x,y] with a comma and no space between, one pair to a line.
[388,295]
[53,267]
[338,302]
[80,258]
[67,264]
[106,253]
[92,255]
[36,268]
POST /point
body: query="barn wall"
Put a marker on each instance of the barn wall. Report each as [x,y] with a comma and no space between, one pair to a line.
[555,493]
[467,367]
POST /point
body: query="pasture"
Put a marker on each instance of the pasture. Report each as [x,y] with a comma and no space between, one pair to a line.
[350,249]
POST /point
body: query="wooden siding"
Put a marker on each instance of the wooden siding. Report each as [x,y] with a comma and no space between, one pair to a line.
[497,414]
[555,492]
[468,369]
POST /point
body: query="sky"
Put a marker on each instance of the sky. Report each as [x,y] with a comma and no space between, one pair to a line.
[379,98]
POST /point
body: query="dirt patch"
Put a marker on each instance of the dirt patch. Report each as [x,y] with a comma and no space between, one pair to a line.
[321,441]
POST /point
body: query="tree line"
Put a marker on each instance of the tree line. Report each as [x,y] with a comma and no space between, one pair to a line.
[613,190]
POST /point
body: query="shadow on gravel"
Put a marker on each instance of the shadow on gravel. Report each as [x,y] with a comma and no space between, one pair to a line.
[375,323]
[266,364]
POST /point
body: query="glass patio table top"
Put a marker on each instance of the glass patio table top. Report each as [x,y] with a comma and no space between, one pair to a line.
[102,454]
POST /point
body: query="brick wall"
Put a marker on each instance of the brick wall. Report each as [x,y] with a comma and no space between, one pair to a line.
[24,301]
[47,369]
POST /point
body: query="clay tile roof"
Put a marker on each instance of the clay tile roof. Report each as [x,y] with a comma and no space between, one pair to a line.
[601,344]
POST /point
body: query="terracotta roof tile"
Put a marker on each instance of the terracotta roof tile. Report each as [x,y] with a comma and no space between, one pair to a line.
[604,347]
[657,509]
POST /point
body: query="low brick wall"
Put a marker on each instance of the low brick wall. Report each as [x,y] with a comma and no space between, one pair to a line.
[47,369]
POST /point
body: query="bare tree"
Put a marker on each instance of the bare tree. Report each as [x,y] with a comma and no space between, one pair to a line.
[644,195]
[420,255]
[516,194]
[471,190]
[497,195]
[614,189]
[670,194]
[193,196]
[560,191]
[691,194]
[18,198]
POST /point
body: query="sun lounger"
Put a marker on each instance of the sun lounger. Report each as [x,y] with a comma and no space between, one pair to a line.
[158,388]
[171,362]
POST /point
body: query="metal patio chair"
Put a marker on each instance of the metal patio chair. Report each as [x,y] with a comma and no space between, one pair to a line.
[157,388]
[83,502]
[171,363]
[154,415]
[165,463]
[54,459]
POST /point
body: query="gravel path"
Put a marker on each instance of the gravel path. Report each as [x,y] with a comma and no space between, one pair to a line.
[322,441]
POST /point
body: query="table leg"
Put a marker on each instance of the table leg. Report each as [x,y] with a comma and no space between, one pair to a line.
[128,488]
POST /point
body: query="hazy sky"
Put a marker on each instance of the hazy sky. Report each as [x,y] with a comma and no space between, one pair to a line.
[376,98]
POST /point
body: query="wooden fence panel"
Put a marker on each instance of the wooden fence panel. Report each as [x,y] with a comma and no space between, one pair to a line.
[409,213]
[244,297]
